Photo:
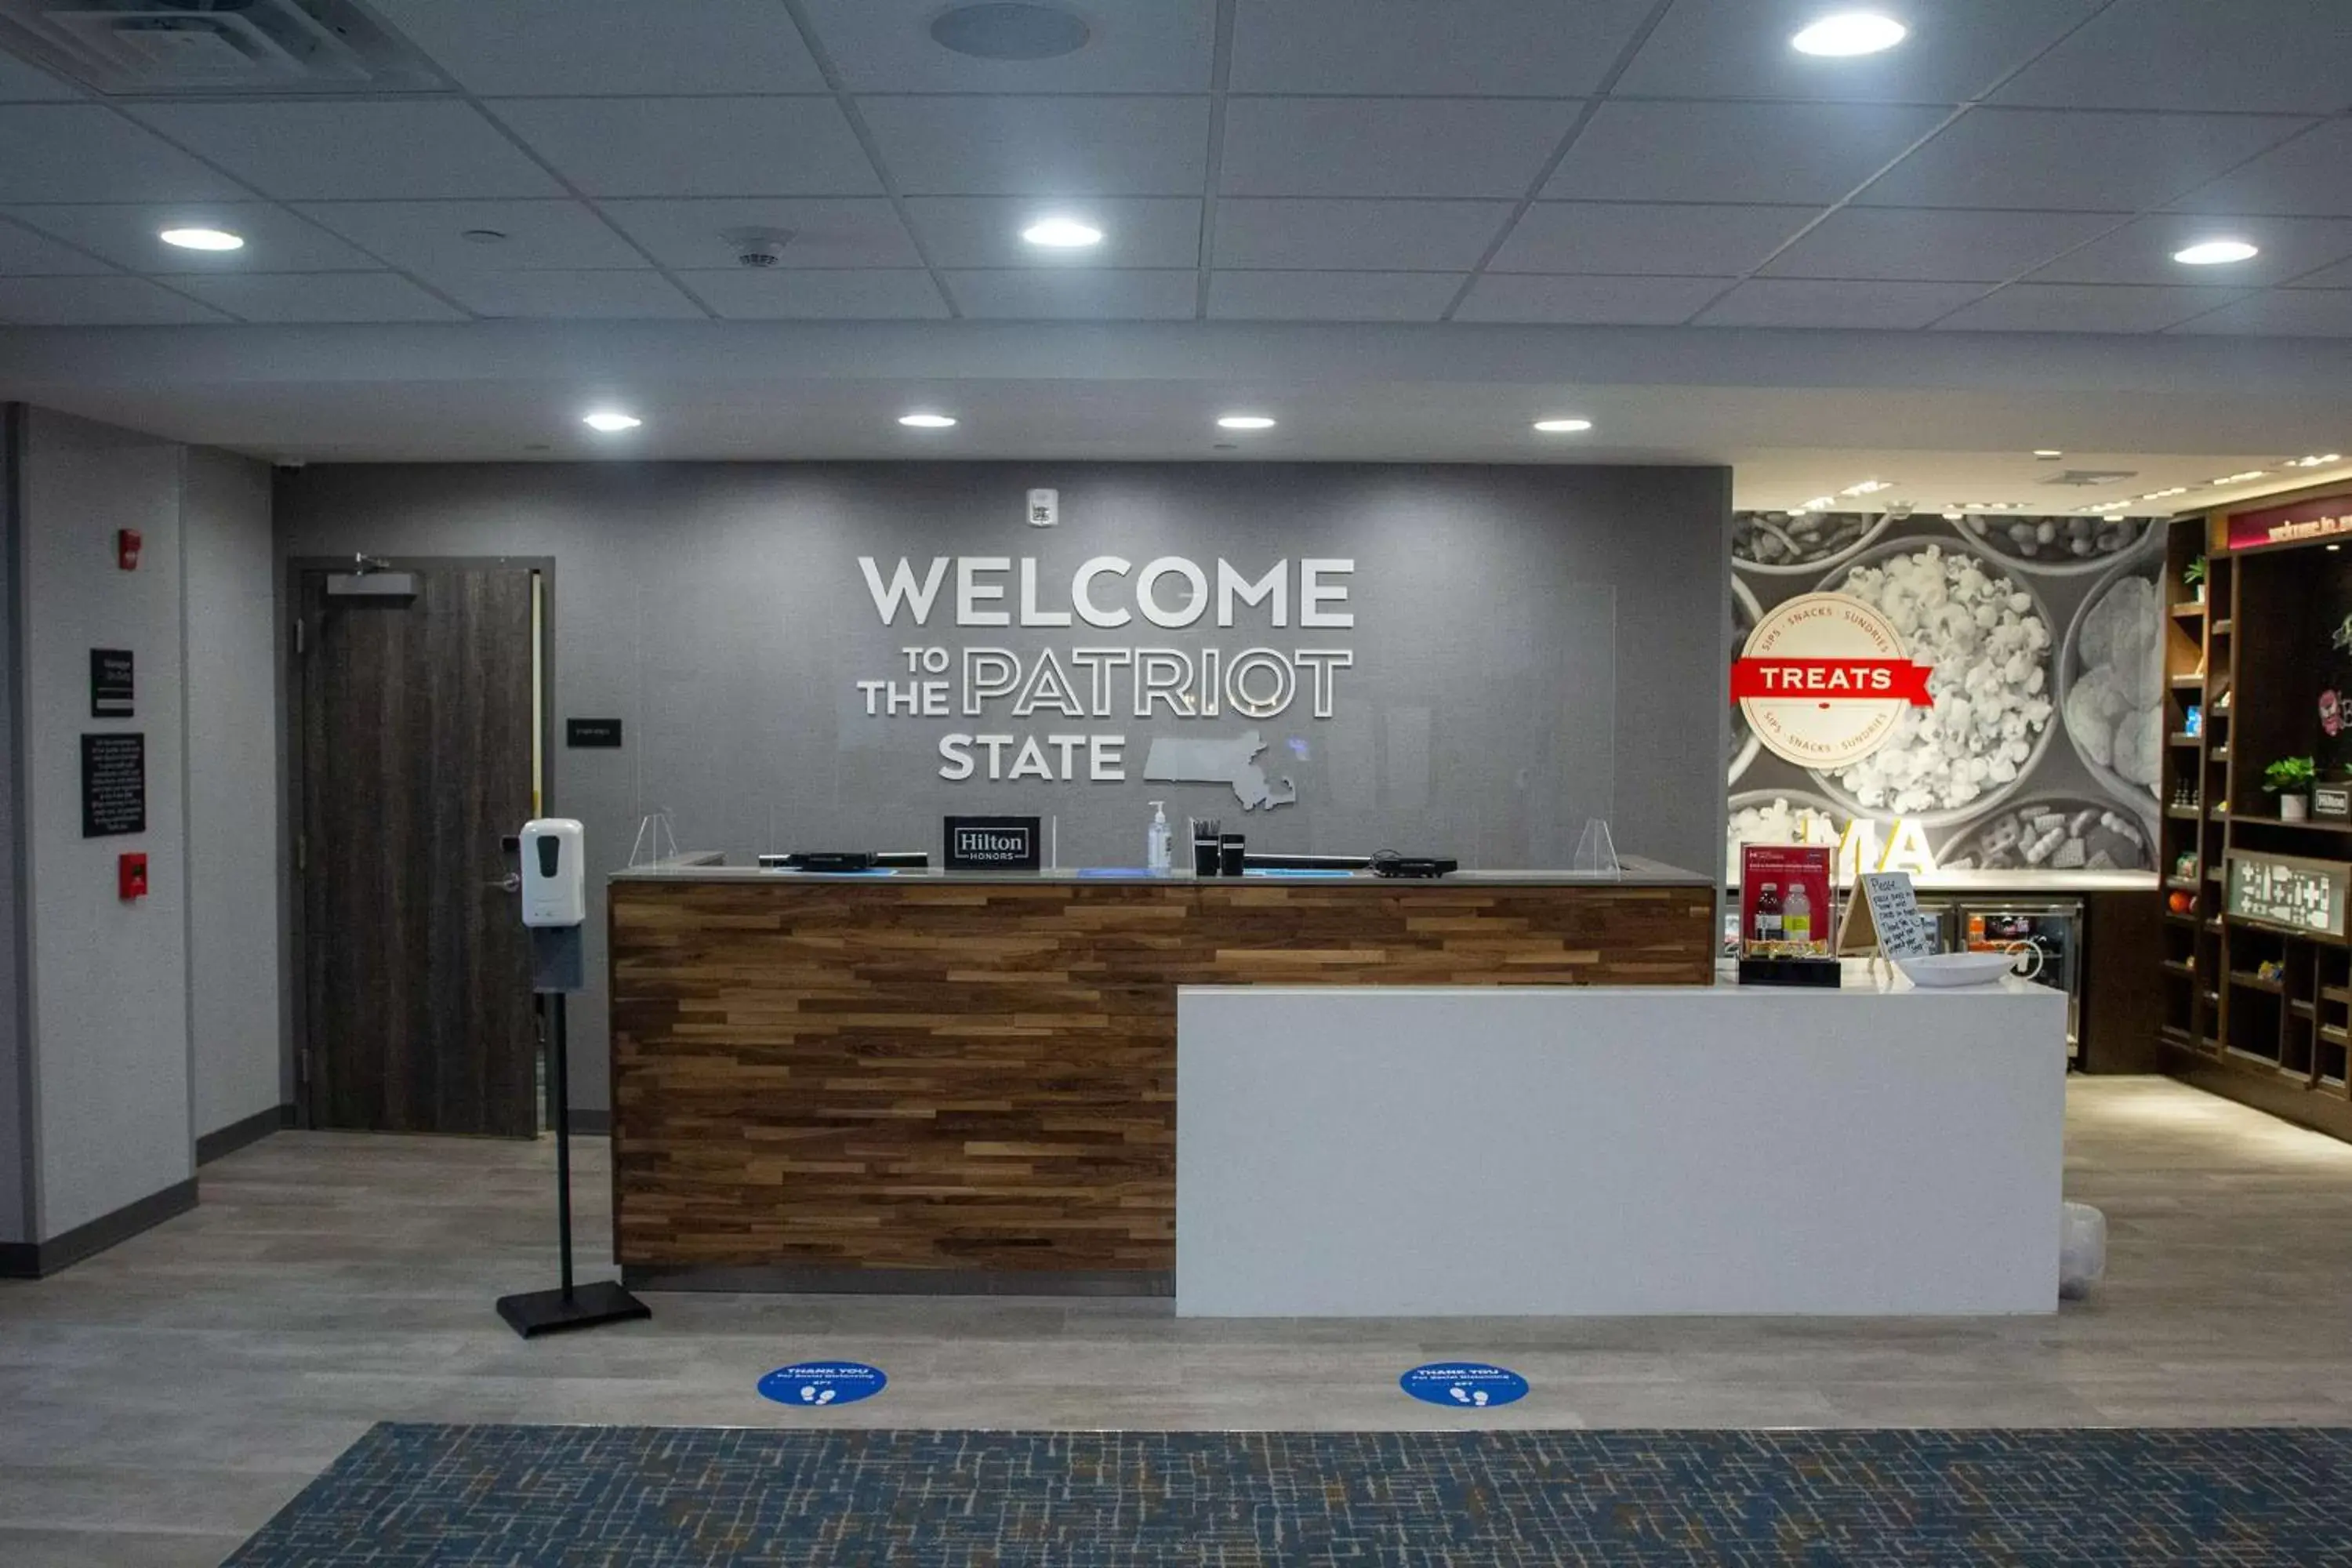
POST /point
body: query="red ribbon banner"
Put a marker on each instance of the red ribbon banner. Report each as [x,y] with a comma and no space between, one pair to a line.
[1831,680]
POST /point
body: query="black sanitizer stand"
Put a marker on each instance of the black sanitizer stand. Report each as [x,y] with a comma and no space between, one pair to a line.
[556,969]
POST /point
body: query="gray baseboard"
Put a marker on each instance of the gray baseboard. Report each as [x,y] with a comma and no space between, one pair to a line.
[37,1260]
[248,1130]
[791,1280]
[591,1123]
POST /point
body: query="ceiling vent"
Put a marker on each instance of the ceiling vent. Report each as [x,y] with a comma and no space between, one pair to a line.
[2082,479]
[215,45]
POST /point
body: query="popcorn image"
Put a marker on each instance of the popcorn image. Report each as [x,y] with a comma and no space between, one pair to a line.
[2051,836]
[2114,707]
[2059,541]
[1990,648]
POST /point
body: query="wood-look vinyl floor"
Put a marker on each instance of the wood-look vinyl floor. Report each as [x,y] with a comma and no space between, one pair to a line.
[159,1401]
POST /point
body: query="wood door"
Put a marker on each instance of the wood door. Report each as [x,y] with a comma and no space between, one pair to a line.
[415,762]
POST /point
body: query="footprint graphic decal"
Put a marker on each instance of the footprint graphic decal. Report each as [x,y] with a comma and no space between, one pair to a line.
[814,1384]
[1459,1385]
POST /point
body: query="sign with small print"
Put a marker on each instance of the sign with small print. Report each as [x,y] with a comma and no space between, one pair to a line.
[113,785]
[591,733]
[2332,802]
[112,692]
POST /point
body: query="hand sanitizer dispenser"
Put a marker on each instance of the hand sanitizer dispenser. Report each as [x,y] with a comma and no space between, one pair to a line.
[554,880]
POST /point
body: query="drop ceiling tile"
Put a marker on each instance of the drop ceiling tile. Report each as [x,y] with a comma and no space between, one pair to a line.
[2141,252]
[1533,49]
[1165,46]
[826,232]
[97,302]
[1357,236]
[355,149]
[1795,302]
[1589,301]
[1735,152]
[1046,294]
[2255,55]
[319,297]
[869,294]
[1042,146]
[2311,175]
[695,146]
[2089,162]
[2277,313]
[25,253]
[1739,48]
[84,153]
[543,47]
[985,231]
[2085,307]
[1941,244]
[2338,277]
[276,240]
[1388,146]
[22,83]
[577,295]
[1632,238]
[1331,296]
[429,237]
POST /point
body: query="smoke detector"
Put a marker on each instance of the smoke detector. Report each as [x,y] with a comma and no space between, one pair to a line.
[758,248]
[215,45]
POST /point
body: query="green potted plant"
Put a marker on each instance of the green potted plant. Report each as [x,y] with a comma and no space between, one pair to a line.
[2290,779]
[2192,576]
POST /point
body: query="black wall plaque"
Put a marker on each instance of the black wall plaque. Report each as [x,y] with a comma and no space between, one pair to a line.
[591,731]
[992,843]
[113,785]
[112,692]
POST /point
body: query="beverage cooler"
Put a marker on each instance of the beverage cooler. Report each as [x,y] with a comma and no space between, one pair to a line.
[2053,925]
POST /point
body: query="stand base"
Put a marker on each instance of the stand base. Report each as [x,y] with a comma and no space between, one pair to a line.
[537,1312]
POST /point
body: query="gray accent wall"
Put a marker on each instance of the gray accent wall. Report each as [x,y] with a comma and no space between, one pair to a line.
[235,1025]
[1534,645]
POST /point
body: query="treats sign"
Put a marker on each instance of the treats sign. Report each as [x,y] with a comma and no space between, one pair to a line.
[1823,679]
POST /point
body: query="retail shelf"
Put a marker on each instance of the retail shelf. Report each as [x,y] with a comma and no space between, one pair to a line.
[2185,884]
[2308,825]
[2301,1008]
[2191,607]
[2174,1033]
[2336,994]
[2253,982]
[2188,681]
[2218,755]
[2335,1035]
[2222,627]
[2174,966]
[2177,918]
[2184,813]
[2182,737]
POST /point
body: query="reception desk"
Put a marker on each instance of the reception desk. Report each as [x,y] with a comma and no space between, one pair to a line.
[940,1082]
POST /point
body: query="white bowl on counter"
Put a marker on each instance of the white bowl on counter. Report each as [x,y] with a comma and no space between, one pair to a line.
[1943,970]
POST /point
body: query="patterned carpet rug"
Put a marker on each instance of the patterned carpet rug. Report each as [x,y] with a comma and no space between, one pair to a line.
[633,1497]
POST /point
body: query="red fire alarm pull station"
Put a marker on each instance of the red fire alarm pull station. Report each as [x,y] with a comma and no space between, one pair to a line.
[126,548]
[131,874]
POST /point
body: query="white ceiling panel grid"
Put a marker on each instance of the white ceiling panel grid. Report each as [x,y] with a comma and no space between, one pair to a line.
[2199,53]
[2141,252]
[2310,176]
[1800,303]
[1331,296]
[973,146]
[577,296]
[22,83]
[1526,48]
[985,231]
[2075,162]
[1357,236]
[98,302]
[86,152]
[1632,238]
[549,47]
[26,254]
[276,240]
[1388,146]
[354,149]
[1588,302]
[694,146]
[1735,152]
[1935,244]
[1034,294]
[778,294]
[2079,308]
[429,237]
[2282,313]
[319,297]
[1135,45]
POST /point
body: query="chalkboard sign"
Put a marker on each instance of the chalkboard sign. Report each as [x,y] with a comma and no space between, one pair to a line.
[111,689]
[113,785]
[2289,892]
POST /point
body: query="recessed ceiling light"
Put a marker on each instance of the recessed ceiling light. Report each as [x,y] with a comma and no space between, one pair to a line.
[1009,32]
[1868,487]
[202,239]
[1850,33]
[2239,479]
[611,421]
[482,236]
[927,421]
[2048,454]
[2216,253]
[1244,422]
[1562,427]
[2319,461]
[1062,234]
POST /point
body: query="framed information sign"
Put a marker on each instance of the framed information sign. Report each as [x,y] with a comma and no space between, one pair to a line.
[2288,892]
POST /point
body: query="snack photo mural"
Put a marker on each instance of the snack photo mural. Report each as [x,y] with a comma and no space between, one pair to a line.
[2040,746]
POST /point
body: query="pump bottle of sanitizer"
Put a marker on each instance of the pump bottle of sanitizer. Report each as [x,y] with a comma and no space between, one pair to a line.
[1156,854]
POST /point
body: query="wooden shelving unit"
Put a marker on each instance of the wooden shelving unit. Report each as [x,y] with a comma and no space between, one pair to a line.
[2253,1011]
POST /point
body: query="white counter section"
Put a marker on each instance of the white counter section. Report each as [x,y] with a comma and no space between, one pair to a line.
[1354,1152]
